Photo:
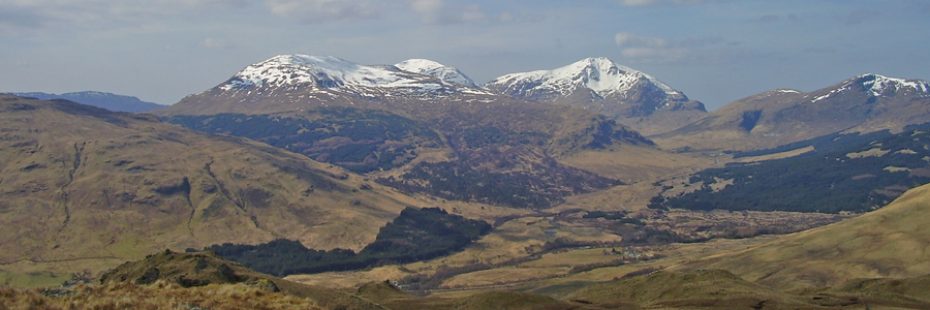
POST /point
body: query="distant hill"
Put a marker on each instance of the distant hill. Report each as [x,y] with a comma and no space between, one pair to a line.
[863,103]
[109,101]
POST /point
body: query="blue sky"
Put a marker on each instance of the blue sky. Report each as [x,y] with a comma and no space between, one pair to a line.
[715,51]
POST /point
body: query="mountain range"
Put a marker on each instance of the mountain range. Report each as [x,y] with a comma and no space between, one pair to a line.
[597,84]
[429,132]
[109,101]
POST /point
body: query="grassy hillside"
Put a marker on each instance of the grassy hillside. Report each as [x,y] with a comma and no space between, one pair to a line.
[708,288]
[889,242]
[82,187]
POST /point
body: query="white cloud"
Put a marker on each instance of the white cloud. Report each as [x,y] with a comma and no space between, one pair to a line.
[426,6]
[215,43]
[640,48]
[473,13]
[650,49]
[314,11]
[629,39]
[655,2]
[25,15]
[637,2]
[439,12]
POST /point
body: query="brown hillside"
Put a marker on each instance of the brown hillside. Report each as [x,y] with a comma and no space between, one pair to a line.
[893,241]
[84,185]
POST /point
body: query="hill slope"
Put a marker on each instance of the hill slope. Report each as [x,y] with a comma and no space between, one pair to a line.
[866,103]
[890,242]
[112,102]
[84,184]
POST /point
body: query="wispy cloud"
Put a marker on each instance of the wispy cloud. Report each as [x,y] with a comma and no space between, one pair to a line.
[216,43]
[17,16]
[442,12]
[774,18]
[646,48]
[317,11]
[649,49]
[655,2]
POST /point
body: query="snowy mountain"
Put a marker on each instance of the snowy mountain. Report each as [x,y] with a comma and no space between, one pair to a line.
[297,82]
[328,74]
[865,103]
[447,74]
[602,85]
[876,85]
[109,101]
[600,75]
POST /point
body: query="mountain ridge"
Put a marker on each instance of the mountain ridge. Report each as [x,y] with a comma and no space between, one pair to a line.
[632,97]
[432,68]
[109,101]
[863,103]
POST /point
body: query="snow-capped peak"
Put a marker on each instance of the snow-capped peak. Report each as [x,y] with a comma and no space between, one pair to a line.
[324,72]
[876,85]
[599,74]
[880,84]
[442,72]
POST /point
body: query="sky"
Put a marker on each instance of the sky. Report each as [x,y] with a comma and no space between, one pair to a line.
[715,51]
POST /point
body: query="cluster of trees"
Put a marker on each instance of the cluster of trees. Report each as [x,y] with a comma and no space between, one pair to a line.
[825,180]
[619,216]
[417,234]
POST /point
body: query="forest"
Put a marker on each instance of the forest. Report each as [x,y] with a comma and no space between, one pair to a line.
[416,234]
[847,172]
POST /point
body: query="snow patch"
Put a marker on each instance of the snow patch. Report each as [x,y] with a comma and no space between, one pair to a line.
[830,93]
[325,72]
[879,84]
[447,74]
[599,74]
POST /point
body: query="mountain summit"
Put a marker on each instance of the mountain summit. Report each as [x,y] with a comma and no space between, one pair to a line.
[601,84]
[597,74]
[876,85]
[444,73]
[326,72]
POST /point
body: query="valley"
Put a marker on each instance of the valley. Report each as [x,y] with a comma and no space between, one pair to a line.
[318,182]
